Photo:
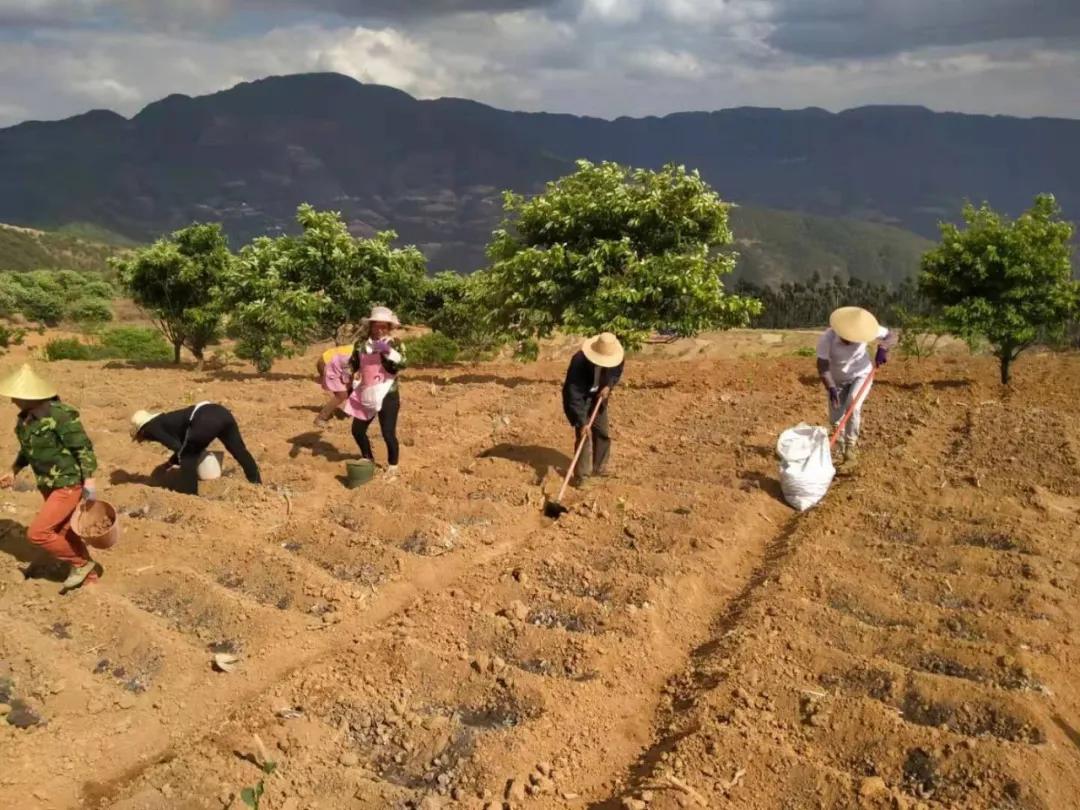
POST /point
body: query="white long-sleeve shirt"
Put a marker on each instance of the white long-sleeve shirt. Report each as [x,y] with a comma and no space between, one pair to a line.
[848,361]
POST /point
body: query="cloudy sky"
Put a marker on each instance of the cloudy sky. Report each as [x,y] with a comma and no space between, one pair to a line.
[599,57]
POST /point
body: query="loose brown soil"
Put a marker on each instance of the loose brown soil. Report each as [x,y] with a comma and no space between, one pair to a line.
[679,639]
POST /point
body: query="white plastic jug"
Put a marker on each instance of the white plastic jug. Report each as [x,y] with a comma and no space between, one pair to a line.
[806,467]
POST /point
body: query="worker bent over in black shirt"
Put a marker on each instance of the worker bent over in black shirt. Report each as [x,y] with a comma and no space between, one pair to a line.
[188,432]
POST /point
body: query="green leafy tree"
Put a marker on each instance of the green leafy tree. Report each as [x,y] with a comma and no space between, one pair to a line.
[173,280]
[269,316]
[355,274]
[611,248]
[452,305]
[1008,282]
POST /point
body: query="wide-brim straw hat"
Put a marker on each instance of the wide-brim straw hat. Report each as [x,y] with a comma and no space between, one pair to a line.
[382,315]
[139,420]
[27,384]
[854,324]
[604,350]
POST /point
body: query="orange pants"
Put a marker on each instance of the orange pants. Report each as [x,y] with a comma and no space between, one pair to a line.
[51,528]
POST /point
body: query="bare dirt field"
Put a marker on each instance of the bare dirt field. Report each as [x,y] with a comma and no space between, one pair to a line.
[679,639]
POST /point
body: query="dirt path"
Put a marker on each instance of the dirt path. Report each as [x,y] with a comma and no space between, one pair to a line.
[435,640]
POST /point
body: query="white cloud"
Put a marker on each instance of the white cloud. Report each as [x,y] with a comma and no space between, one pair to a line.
[106,92]
[599,57]
[658,63]
[381,57]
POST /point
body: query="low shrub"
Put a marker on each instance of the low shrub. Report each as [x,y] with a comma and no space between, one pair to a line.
[123,343]
[11,336]
[919,334]
[71,349]
[433,349]
[136,343]
[90,311]
[50,297]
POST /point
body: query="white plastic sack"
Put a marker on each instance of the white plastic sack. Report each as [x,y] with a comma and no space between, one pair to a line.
[806,467]
[209,467]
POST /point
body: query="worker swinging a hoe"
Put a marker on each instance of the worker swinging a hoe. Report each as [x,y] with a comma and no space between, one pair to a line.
[593,372]
[843,363]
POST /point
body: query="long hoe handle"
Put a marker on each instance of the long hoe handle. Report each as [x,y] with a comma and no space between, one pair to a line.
[851,408]
[580,447]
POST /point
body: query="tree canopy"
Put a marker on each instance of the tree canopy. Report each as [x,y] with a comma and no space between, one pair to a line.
[610,248]
[269,316]
[353,273]
[1008,282]
[174,280]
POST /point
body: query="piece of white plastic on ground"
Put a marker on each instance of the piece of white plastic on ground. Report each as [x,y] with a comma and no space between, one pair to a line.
[209,467]
[806,467]
[224,662]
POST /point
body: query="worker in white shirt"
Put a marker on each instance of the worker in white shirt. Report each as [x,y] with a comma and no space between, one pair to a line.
[843,362]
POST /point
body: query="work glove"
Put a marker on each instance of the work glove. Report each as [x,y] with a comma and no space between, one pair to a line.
[881,357]
[89,494]
[382,346]
[834,396]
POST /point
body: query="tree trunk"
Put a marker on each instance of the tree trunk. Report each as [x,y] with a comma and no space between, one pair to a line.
[176,352]
[1006,367]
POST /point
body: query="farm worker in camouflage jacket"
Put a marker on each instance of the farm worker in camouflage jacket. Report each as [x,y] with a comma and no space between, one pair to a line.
[365,385]
[53,443]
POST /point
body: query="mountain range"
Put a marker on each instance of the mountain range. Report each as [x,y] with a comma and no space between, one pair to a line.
[864,188]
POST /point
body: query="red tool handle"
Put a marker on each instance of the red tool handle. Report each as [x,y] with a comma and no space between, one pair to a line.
[580,447]
[851,407]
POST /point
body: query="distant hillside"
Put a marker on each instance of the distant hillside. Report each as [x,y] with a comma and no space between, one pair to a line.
[23,249]
[776,246]
[434,170]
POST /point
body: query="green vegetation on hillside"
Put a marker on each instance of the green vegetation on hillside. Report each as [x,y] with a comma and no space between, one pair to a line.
[49,297]
[807,304]
[22,249]
[780,246]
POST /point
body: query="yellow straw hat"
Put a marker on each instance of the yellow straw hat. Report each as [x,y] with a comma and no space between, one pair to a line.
[139,419]
[604,350]
[26,384]
[854,324]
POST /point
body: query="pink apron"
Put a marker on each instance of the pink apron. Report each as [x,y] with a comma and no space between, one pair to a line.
[375,383]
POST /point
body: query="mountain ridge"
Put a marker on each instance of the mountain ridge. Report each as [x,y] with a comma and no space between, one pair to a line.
[433,169]
[347,81]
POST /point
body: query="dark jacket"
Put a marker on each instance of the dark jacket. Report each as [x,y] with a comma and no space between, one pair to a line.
[578,398]
[171,428]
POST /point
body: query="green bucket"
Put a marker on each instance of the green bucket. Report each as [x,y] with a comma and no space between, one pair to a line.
[358,473]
